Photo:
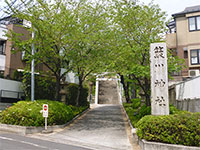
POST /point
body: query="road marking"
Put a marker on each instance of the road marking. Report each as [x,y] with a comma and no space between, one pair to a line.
[24,142]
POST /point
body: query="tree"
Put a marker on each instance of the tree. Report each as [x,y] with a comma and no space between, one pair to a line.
[53,25]
[91,30]
[136,27]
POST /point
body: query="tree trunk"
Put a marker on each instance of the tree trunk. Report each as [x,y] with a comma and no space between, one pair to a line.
[147,100]
[147,92]
[79,92]
[57,96]
[126,89]
[133,91]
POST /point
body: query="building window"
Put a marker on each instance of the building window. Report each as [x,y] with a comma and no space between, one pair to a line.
[198,23]
[195,56]
[194,23]
[2,47]
[185,54]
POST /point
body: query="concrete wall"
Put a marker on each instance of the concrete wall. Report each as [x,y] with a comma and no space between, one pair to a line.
[70,77]
[191,105]
[2,62]
[185,95]
[188,89]
[10,85]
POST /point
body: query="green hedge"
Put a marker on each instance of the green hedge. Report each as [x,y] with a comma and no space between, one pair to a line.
[72,90]
[182,128]
[27,113]
[135,111]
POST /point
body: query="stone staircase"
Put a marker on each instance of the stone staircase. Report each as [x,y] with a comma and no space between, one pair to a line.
[108,92]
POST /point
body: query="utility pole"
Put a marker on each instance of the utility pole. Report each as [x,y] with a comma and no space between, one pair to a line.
[32,70]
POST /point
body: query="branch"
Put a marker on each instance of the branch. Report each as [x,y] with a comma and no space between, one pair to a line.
[139,82]
[87,74]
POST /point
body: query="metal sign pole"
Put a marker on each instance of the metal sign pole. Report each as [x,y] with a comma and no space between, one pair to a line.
[45,115]
[45,123]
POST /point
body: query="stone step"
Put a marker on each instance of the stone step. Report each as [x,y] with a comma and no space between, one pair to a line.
[108,92]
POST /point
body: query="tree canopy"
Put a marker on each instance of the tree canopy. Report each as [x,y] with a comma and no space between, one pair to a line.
[135,28]
[91,37]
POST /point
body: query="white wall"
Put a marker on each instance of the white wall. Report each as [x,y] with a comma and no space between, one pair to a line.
[70,77]
[2,62]
[188,89]
[3,29]
[10,85]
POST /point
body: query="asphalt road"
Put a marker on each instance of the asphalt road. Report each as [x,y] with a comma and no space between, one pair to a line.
[11,141]
[102,128]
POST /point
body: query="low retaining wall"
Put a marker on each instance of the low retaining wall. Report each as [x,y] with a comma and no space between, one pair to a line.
[30,130]
[145,145]
[133,131]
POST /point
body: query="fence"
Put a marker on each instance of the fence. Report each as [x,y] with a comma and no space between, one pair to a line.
[185,95]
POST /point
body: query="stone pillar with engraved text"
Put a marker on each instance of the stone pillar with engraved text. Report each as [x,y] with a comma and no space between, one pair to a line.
[159,79]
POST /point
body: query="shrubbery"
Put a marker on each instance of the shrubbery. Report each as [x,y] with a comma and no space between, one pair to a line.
[136,103]
[72,90]
[78,110]
[182,128]
[27,113]
[44,87]
[135,111]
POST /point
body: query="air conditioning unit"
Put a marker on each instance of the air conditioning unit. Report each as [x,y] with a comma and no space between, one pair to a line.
[194,73]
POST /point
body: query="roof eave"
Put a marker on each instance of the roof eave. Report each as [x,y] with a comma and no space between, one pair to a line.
[182,14]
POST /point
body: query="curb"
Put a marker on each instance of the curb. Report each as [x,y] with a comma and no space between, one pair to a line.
[135,138]
[146,145]
[133,130]
[30,130]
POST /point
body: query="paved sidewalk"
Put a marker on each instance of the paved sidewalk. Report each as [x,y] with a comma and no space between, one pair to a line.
[103,127]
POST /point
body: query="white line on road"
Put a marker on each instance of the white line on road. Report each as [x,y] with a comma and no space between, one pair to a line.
[24,142]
